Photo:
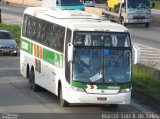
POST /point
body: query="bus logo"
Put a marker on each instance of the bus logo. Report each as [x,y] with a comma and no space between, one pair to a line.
[113,87]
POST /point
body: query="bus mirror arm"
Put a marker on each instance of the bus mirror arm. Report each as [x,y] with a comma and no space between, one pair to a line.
[70,52]
[137,53]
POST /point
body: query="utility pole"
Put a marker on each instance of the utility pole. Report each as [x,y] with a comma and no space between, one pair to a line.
[0,14]
[0,17]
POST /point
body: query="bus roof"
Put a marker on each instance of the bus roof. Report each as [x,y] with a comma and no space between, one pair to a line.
[75,19]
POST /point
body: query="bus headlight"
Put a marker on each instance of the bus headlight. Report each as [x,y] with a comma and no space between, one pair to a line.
[124,90]
[77,89]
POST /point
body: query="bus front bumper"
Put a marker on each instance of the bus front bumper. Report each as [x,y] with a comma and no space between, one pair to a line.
[137,21]
[83,97]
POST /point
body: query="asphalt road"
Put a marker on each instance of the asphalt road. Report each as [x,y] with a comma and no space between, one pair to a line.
[13,9]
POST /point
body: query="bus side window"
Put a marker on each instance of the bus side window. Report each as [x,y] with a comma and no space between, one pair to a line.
[52,37]
[25,25]
[45,34]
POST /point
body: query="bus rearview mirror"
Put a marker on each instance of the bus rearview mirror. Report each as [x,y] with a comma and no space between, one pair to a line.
[70,52]
[137,54]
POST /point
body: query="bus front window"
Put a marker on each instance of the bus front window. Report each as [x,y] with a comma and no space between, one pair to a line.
[102,57]
[87,65]
[117,66]
[98,66]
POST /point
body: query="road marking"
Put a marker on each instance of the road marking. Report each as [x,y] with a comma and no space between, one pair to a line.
[149,56]
[15,19]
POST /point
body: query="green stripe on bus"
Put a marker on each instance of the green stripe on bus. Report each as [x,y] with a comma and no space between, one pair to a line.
[48,56]
[100,86]
[26,46]
[52,57]
[31,50]
[79,84]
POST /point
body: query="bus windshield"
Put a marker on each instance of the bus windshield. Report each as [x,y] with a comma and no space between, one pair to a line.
[70,2]
[102,62]
[138,4]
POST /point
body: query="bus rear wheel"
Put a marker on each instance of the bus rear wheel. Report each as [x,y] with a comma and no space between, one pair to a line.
[63,102]
[122,22]
[146,25]
[33,86]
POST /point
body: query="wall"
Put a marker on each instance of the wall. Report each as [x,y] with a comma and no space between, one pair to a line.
[25,2]
[39,2]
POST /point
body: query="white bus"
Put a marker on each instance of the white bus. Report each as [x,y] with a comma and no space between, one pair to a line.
[77,56]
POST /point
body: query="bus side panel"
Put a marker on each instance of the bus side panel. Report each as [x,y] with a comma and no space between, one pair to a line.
[47,77]
[23,65]
[26,57]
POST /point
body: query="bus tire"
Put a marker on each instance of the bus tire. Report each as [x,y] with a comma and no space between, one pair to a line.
[63,102]
[27,73]
[122,22]
[33,86]
[146,25]
[14,54]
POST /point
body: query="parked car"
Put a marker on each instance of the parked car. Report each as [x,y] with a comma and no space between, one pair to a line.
[8,44]
[89,3]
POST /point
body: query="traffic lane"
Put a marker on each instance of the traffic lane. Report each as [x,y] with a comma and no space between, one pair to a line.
[13,9]
[10,19]
[14,89]
[16,95]
[155,11]
[147,36]
[19,98]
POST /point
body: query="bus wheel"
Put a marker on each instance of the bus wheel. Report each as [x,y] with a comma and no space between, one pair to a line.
[63,102]
[33,86]
[146,25]
[122,22]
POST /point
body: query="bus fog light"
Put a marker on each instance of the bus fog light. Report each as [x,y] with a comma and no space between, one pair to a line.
[77,89]
[124,90]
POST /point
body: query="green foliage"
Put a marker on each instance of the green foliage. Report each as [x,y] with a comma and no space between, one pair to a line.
[145,81]
[157,4]
[15,30]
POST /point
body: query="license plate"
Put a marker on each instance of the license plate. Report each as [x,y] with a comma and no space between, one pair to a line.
[101,98]
[5,50]
[140,20]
